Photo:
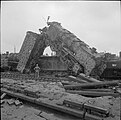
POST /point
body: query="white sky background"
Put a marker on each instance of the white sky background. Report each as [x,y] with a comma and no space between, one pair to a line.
[95,23]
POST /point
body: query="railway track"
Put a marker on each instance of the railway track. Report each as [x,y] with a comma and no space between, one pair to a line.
[19,76]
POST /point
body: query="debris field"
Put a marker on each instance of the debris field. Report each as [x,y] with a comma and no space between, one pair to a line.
[54,95]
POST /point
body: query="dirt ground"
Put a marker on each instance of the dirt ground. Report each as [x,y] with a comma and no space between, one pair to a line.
[28,111]
[55,93]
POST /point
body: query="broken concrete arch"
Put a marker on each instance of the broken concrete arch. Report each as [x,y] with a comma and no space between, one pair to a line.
[48,51]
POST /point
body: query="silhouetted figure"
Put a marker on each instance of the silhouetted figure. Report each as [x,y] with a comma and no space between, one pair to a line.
[37,69]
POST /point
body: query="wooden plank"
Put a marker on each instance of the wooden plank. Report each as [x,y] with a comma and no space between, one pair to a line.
[76,104]
[93,85]
[95,108]
[75,79]
[89,116]
[93,94]
[86,106]
[88,78]
[98,90]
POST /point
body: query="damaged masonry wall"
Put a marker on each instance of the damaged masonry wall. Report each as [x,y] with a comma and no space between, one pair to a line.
[72,51]
[29,54]
[62,38]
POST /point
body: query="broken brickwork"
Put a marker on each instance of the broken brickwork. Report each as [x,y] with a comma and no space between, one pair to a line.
[29,51]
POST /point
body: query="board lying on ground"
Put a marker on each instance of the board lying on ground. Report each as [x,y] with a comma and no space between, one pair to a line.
[93,93]
[64,109]
[93,85]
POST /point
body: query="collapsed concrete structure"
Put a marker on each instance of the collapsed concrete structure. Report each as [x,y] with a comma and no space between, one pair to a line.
[76,54]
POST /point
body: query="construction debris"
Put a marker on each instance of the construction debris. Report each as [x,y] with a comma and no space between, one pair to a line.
[54,96]
[93,93]
[93,85]
[79,95]
[48,116]
[17,102]
[76,79]
[87,78]
[11,102]
[2,101]
[87,107]
[3,95]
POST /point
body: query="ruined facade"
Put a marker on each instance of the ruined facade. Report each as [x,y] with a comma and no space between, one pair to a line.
[71,50]
[33,47]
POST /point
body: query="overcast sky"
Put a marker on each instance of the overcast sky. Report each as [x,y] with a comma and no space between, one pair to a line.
[95,23]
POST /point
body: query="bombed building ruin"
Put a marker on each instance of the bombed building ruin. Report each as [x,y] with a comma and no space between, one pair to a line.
[70,50]
[76,92]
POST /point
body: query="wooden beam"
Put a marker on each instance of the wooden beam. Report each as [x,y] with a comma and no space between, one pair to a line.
[3,95]
[97,109]
[75,79]
[76,104]
[86,106]
[92,85]
[98,90]
[92,93]
[68,83]
[88,78]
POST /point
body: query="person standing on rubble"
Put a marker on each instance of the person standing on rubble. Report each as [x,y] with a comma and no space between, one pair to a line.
[37,69]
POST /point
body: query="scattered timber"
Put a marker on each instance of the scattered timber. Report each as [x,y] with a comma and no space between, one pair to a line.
[93,85]
[75,79]
[93,93]
[77,113]
[88,79]
[2,101]
[87,107]
[98,90]
[11,101]
[68,83]
[76,104]
[3,95]
[97,109]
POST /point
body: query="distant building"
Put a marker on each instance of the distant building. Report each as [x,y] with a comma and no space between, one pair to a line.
[110,56]
[120,54]
[5,57]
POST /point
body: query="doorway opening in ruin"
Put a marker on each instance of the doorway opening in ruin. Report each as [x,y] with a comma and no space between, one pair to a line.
[49,52]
